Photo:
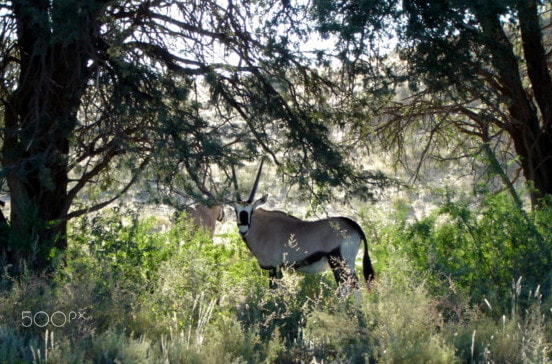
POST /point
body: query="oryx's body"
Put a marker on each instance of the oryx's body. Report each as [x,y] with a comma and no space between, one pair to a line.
[279,240]
[204,217]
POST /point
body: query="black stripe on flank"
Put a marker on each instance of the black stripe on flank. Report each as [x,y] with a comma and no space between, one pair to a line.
[311,259]
[314,257]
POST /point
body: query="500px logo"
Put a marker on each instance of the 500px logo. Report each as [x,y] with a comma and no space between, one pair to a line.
[57,319]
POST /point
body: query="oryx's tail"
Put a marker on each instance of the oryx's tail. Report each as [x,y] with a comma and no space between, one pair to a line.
[368,269]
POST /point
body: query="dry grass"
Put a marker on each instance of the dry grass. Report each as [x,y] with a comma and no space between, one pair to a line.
[209,303]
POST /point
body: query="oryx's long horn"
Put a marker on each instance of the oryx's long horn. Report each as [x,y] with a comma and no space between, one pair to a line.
[235,181]
[254,190]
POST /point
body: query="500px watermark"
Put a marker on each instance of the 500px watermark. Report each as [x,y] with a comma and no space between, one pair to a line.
[56,319]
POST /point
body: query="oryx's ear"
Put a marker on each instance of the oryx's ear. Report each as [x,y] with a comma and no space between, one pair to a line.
[260,201]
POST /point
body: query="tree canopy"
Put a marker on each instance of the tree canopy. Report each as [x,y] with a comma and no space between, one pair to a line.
[480,67]
[179,90]
[94,86]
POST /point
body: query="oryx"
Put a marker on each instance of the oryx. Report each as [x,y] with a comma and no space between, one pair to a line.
[279,240]
[205,217]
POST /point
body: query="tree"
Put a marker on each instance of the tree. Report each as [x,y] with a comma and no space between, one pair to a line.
[91,86]
[480,66]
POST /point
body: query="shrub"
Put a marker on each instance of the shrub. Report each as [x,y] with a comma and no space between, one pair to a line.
[177,297]
[480,250]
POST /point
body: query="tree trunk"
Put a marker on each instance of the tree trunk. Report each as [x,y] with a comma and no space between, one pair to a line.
[530,130]
[40,119]
[538,142]
[535,151]
[35,153]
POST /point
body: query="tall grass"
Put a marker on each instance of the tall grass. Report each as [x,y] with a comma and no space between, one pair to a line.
[475,249]
[176,297]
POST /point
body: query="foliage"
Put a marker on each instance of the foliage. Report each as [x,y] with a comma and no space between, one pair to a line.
[480,250]
[157,296]
[478,68]
[172,92]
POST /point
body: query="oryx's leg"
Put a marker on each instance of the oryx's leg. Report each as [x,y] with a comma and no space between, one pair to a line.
[343,273]
[274,275]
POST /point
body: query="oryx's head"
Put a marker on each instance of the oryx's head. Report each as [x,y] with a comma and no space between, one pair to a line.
[244,209]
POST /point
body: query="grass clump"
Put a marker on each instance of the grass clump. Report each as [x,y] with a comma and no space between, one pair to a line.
[176,297]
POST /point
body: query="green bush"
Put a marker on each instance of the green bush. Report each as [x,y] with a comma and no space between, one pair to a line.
[479,250]
[177,297]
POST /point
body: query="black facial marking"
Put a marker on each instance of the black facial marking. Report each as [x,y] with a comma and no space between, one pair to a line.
[244,218]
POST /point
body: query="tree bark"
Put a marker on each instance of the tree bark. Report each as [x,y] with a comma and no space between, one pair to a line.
[529,129]
[40,119]
[541,84]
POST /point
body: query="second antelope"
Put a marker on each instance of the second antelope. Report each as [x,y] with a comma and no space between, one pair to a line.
[203,217]
[280,240]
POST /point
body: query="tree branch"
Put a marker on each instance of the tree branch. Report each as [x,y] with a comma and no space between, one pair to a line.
[101,205]
[87,176]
